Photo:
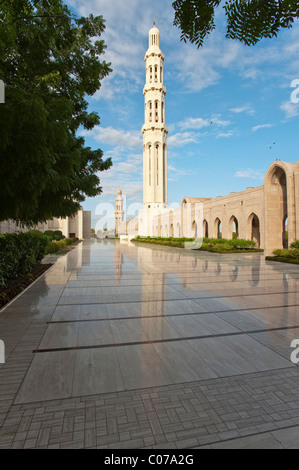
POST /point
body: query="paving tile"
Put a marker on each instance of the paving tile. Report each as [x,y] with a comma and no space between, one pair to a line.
[143,360]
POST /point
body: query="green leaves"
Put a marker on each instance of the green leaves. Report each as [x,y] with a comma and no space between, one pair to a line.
[248,21]
[49,62]
[195,19]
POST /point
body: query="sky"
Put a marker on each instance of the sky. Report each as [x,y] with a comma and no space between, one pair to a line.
[231,109]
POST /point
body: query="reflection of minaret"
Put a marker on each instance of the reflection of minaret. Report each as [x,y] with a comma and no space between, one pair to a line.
[119,214]
[118,261]
[154,129]
[154,290]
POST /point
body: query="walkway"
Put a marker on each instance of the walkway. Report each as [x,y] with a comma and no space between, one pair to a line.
[126,346]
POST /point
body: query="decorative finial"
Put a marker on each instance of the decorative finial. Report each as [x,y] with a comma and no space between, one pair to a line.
[154,23]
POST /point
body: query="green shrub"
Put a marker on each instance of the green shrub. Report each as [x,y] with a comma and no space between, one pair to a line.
[61,244]
[240,243]
[69,241]
[52,248]
[58,235]
[292,254]
[54,235]
[20,252]
[295,244]
[49,234]
[57,245]
[280,252]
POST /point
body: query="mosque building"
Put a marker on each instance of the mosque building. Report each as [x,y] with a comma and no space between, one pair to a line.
[267,214]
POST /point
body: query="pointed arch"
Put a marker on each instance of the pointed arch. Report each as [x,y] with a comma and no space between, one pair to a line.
[276,205]
[234,227]
[205,229]
[217,228]
[253,224]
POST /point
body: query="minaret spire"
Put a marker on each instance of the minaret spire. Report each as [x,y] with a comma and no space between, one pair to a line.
[154,129]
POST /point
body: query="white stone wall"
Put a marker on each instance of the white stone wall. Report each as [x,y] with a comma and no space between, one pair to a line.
[80,225]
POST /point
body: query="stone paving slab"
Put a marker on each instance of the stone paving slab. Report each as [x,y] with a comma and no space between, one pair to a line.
[175,372]
[219,412]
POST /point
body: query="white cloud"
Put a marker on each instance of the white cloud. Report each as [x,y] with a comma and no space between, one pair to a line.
[194,68]
[174,174]
[219,122]
[199,123]
[194,123]
[126,36]
[262,126]
[243,109]
[125,173]
[181,138]
[249,173]
[290,109]
[115,137]
[225,134]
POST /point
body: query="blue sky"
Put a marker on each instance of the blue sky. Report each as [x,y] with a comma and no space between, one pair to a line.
[245,92]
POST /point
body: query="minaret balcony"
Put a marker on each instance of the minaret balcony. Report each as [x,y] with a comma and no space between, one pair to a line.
[154,126]
[154,51]
[158,86]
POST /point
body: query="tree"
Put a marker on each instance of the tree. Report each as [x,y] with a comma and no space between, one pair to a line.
[49,62]
[248,21]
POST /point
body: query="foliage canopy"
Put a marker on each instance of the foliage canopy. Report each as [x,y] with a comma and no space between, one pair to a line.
[248,21]
[49,62]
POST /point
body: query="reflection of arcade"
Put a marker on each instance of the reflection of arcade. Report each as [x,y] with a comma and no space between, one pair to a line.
[78,258]
[192,271]
[157,261]
[118,262]
[217,279]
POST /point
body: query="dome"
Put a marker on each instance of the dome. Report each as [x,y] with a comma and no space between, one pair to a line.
[154,36]
[154,29]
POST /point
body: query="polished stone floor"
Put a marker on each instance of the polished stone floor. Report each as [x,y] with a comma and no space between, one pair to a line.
[113,320]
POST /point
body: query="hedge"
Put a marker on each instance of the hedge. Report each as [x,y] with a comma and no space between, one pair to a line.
[56,246]
[20,252]
[216,245]
[54,235]
[293,253]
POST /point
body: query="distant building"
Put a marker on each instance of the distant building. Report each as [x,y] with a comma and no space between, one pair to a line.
[77,226]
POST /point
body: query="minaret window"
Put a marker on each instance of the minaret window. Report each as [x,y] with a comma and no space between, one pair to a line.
[156,73]
[164,173]
[161,74]
[156,111]
[150,164]
[157,153]
[151,74]
[162,113]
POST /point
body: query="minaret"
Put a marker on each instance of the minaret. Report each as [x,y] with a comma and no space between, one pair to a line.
[154,129]
[119,214]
